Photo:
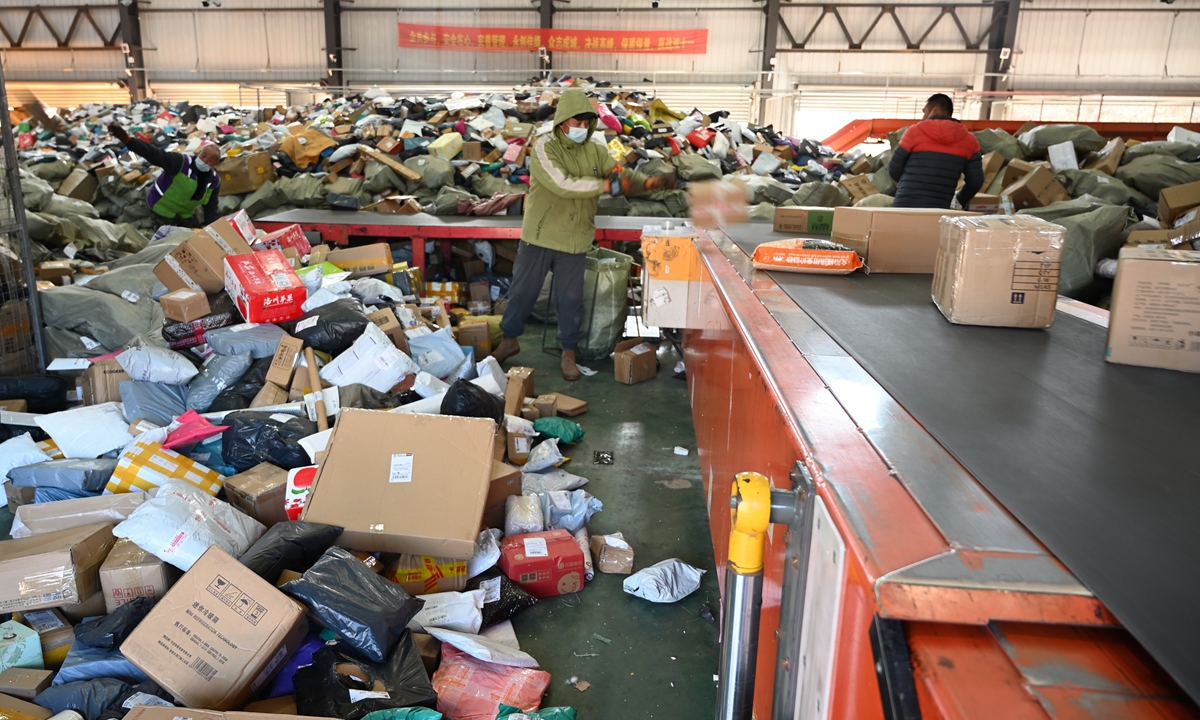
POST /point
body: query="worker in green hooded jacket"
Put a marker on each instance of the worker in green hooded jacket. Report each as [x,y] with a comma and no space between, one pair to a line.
[569,170]
[187,182]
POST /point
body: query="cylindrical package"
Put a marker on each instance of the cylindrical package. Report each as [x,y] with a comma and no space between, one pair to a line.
[581,539]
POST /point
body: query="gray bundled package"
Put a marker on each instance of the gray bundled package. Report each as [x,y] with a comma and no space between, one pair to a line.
[218,373]
[89,475]
[153,402]
[258,340]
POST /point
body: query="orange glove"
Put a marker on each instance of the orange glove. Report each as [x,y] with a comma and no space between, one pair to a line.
[660,182]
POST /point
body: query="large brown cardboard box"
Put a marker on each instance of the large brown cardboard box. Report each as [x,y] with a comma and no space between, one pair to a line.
[998,270]
[198,263]
[1037,189]
[218,636]
[807,220]
[476,335]
[1155,315]
[24,683]
[130,572]
[259,492]
[1108,158]
[1015,170]
[386,321]
[891,240]
[405,483]
[80,185]
[859,186]
[54,569]
[102,382]
[363,260]
[245,173]
[17,709]
[506,480]
[184,305]
[634,361]
[1175,201]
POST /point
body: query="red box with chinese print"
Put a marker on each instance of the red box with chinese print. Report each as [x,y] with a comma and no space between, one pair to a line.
[544,564]
[289,237]
[264,287]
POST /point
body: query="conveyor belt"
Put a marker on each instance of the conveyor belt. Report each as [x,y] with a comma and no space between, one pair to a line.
[1099,461]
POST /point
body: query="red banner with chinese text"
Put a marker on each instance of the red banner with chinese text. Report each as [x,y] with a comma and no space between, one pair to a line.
[659,42]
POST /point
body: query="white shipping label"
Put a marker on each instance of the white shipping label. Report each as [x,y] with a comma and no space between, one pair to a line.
[356,695]
[42,621]
[561,500]
[430,357]
[282,417]
[88,343]
[130,296]
[536,547]
[521,444]
[401,468]
[220,241]
[660,297]
[491,590]
[306,323]
[145,699]
[187,280]
[280,280]
[641,349]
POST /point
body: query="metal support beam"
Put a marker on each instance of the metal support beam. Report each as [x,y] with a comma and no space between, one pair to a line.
[1001,43]
[131,38]
[546,16]
[333,45]
[770,45]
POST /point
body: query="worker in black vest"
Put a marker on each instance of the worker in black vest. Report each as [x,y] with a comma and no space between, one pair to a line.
[187,182]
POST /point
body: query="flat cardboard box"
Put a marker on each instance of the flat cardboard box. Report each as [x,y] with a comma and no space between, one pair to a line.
[364,260]
[1155,315]
[259,491]
[58,272]
[805,220]
[506,480]
[569,406]
[427,477]
[634,361]
[859,186]
[24,683]
[184,305]
[285,361]
[1152,239]
[1173,202]
[1037,189]
[15,708]
[218,636]
[89,608]
[44,518]
[395,205]
[129,573]
[55,569]
[1108,159]
[102,382]
[245,173]
[476,335]
[998,270]
[891,240]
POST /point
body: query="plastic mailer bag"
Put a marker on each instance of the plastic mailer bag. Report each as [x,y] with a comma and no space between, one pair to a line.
[146,692]
[45,393]
[821,257]
[88,663]
[819,194]
[156,365]
[664,582]
[217,374]
[485,556]
[372,361]
[88,698]
[89,431]
[110,631]
[484,648]
[568,511]
[401,682]
[548,480]
[182,521]
[159,404]
[260,340]
[459,611]
[502,597]
[466,399]
[294,546]
[1036,142]
[523,514]
[48,495]
[543,456]
[1151,174]
[470,689]
[332,327]
[565,430]
[190,428]
[283,684]
[365,610]
[255,437]
[410,713]
[554,713]
[18,451]
[88,475]
[436,353]
[239,395]
[145,465]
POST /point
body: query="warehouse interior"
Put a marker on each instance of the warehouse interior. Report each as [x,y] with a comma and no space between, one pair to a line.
[574,359]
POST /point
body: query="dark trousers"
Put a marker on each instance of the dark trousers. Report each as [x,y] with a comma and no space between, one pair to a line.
[529,274]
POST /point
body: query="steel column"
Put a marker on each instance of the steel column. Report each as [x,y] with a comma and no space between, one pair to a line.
[1000,49]
[770,45]
[333,45]
[131,37]
[546,16]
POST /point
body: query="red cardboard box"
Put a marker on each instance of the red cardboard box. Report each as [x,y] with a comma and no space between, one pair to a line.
[264,287]
[289,237]
[544,564]
[240,221]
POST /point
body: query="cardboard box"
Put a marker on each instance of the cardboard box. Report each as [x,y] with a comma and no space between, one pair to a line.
[522,377]
[1037,189]
[24,683]
[17,709]
[245,173]
[1017,169]
[986,204]
[286,577]
[259,491]
[1154,320]
[364,260]
[478,336]
[717,203]
[514,398]
[993,163]
[1173,202]
[1108,158]
[396,205]
[198,263]
[218,636]
[518,447]
[612,554]
[546,405]
[55,569]
[427,477]
[48,517]
[184,305]
[264,287]
[506,480]
[54,632]
[80,185]
[102,382]
[14,405]
[282,705]
[291,236]
[1152,239]
[569,406]
[544,564]
[634,361]
[472,151]
[530,413]
[58,272]
[129,573]
[386,321]
[430,649]
[807,220]
[998,270]
[19,645]
[285,361]
[859,186]
[480,292]
[269,395]
[891,240]
[89,608]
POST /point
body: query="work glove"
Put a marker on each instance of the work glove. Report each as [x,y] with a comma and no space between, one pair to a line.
[118,132]
[660,182]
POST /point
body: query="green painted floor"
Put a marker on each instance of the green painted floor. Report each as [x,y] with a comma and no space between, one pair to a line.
[663,657]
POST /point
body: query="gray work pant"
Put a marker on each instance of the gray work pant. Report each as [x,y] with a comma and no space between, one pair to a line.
[529,274]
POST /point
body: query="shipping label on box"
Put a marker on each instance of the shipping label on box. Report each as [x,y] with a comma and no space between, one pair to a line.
[291,236]
[1155,316]
[1174,202]
[129,573]
[264,287]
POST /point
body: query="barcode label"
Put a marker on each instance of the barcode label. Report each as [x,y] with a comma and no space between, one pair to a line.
[203,669]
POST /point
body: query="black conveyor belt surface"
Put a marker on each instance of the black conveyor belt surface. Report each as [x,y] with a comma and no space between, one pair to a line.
[1099,461]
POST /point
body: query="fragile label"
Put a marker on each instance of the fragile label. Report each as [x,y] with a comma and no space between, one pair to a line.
[536,547]
[491,590]
[306,323]
[401,468]
[660,297]
[356,695]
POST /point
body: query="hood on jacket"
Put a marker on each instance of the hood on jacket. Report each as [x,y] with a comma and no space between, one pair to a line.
[574,102]
[944,130]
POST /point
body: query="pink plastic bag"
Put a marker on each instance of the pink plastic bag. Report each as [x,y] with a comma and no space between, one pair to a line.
[607,117]
[192,429]
[470,689]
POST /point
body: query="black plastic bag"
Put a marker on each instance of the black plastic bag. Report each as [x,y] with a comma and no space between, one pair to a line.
[44,393]
[89,698]
[512,598]
[239,395]
[368,612]
[367,398]
[345,203]
[466,399]
[110,631]
[294,546]
[332,327]
[321,691]
[117,710]
[255,437]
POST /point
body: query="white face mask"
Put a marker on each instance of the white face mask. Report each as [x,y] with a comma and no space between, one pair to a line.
[577,134]
[202,166]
